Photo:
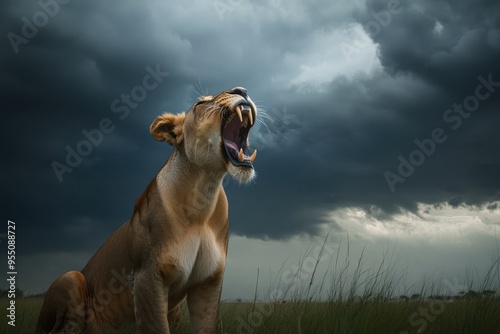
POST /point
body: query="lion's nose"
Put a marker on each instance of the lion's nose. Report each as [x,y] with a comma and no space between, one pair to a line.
[240,91]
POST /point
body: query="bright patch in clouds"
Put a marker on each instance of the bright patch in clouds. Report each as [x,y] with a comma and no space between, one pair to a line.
[438,28]
[431,223]
[334,53]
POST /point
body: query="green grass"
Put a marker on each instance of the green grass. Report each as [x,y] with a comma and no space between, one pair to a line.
[472,315]
[348,297]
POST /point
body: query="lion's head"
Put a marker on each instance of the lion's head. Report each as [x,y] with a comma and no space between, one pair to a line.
[213,134]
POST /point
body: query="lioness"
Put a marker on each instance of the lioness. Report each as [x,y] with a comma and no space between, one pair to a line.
[175,244]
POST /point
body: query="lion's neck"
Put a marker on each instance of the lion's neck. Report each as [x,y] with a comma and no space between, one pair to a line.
[194,190]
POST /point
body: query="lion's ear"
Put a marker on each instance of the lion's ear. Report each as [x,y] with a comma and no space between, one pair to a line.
[168,127]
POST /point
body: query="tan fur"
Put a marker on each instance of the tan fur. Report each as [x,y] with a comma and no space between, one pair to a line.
[173,247]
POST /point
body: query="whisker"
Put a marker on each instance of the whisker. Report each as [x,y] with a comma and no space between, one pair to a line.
[260,106]
[265,115]
[264,124]
[256,102]
[201,87]
[198,89]
[197,93]
[263,118]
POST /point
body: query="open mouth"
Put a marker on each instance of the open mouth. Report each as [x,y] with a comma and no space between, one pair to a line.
[235,128]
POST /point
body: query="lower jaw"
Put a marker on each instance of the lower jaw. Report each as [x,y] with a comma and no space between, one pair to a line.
[242,174]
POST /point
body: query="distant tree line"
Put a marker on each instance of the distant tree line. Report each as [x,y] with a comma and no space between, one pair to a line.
[462,295]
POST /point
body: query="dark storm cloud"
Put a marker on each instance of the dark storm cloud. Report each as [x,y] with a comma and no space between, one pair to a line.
[325,146]
[355,129]
[445,42]
[448,46]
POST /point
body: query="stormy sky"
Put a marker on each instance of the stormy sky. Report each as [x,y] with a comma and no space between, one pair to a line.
[380,120]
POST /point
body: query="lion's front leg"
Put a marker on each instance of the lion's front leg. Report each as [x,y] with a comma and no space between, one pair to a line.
[150,303]
[203,304]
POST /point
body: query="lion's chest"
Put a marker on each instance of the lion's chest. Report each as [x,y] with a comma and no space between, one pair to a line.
[198,258]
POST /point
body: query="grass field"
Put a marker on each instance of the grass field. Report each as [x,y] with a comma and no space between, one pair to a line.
[349,297]
[469,315]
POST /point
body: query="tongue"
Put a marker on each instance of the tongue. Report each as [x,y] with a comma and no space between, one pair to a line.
[231,145]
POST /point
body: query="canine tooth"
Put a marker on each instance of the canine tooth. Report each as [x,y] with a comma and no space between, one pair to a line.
[238,111]
[252,157]
[241,156]
[250,117]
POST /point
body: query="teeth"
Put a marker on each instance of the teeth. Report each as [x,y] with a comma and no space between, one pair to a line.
[238,111]
[244,107]
[242,157]
[252,157]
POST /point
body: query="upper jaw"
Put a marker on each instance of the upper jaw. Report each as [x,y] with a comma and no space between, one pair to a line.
[243,107]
